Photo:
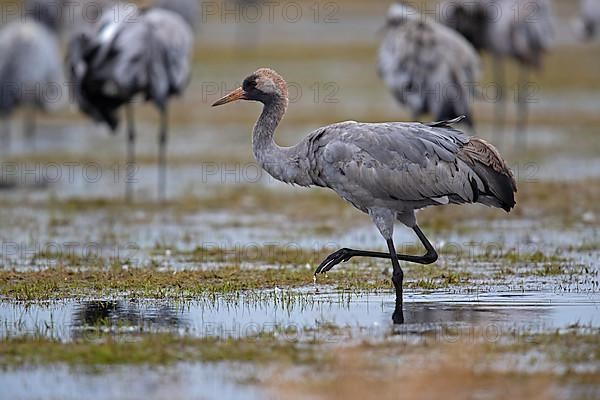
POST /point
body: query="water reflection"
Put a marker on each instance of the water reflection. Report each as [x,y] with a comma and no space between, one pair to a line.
[451,321]
[124,316]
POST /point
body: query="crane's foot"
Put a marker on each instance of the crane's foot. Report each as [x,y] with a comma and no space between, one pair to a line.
[342,255]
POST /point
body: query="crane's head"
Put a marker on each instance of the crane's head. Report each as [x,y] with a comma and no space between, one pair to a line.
[264,85]
[400,12]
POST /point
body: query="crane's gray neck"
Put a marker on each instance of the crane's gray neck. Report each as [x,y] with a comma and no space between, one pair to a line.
[280,162]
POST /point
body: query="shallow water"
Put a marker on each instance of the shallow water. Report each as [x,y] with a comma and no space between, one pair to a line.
[198,381]
[443,316]
[360,315]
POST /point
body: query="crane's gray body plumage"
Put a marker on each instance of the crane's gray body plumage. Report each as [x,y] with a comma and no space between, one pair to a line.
[520,29]
[428,67]
[30,64]
[146,53]
[398,167]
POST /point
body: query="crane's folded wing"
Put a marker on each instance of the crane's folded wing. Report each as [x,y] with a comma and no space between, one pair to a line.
[400,161]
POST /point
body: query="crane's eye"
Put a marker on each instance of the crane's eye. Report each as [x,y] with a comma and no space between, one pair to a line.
[249,84]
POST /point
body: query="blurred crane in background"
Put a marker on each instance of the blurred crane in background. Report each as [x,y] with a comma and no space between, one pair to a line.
[49,12]
[31,70]
[82,16]
[428,67]
[589,19]
[517,29]
[143,53]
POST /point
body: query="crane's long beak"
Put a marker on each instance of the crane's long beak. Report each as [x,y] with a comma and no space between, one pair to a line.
[237,94]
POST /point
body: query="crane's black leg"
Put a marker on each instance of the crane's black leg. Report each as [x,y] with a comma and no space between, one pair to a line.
[500,106]
[522,110]
[346,254]
[162,155]
[130,167]
[397,279]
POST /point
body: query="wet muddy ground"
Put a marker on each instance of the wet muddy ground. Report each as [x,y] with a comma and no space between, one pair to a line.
[212,294]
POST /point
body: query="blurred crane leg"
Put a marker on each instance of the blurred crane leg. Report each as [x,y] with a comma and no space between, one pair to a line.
[130,169]
[500,106]
[5,135]
[522,109]
[29,126]
[162,155]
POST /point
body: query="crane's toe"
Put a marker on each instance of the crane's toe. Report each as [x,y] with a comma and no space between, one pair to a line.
[342,255]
